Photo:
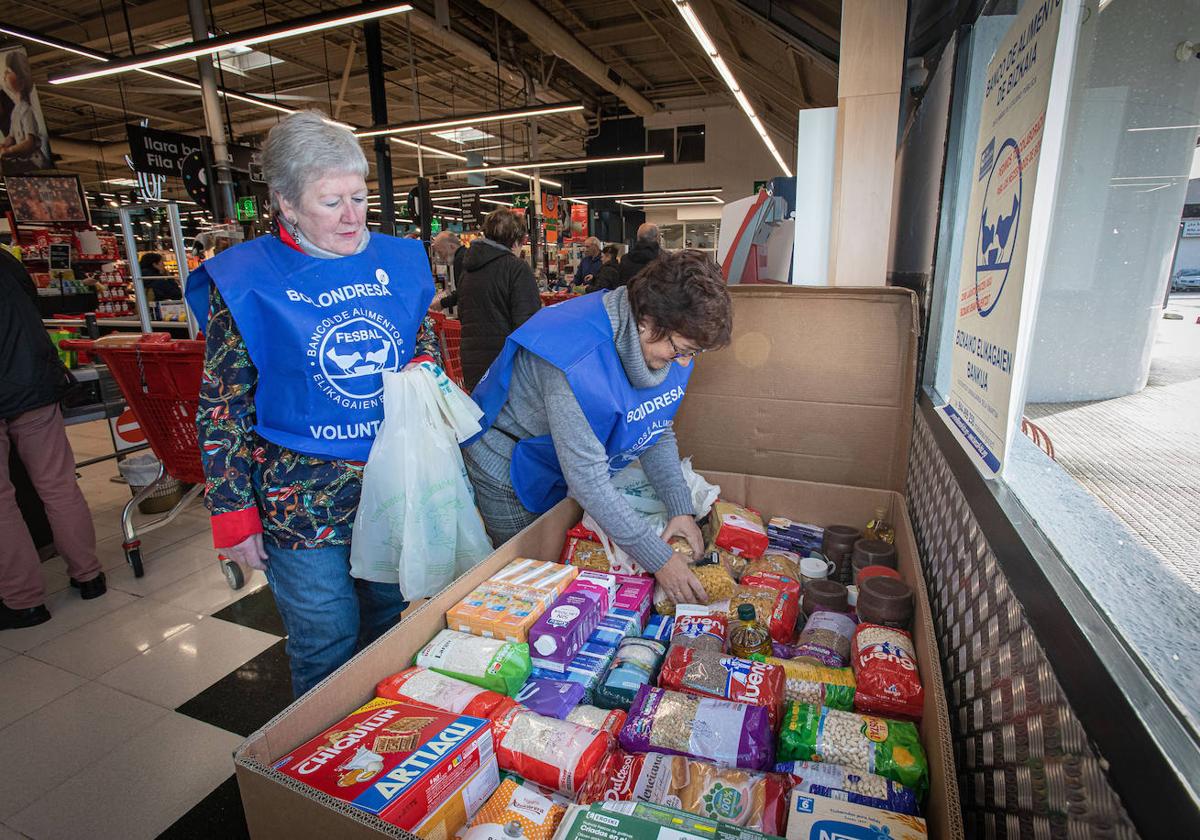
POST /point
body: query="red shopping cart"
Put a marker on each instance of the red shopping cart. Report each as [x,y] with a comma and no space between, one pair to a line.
[160,379]
[449,335]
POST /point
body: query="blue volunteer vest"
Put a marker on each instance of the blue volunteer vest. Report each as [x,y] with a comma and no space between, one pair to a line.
[577,338]
[321,333]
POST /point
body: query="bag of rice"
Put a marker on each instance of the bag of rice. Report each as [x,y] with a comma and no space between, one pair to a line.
[553,753]
[725,733]
[420,685]
[606,720]
[886,670]
[833,780]
[890,748]
[634,665]
[807,682]
[499,666]
[825,639]
[737,529]
[537,815]
[740,797]
[707,674]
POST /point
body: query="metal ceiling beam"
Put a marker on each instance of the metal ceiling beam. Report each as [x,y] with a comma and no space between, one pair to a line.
[822,50]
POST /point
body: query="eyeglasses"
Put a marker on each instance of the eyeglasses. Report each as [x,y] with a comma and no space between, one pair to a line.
[683,354]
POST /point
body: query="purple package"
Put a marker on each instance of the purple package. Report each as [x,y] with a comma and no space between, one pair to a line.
[825,639]
[727,734]
[560,632]
[552,698]
[601,583]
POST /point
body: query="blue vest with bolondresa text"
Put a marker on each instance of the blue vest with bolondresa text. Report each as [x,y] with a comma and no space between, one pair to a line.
[577,338]
[321,332]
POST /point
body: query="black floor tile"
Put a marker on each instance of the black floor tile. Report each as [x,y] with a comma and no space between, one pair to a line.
[256,611]
[219,814]
[245,699]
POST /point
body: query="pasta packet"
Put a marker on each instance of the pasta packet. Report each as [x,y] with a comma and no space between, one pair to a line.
[727,734]
[493,664]
[807,682]
[556,754]
[707,674]
[420,685]
[890,748]
[833,780]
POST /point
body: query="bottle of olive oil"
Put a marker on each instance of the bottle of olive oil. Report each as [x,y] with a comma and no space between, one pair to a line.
[880,529]
[749,636]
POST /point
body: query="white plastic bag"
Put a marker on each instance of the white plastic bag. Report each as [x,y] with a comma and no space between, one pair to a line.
[417,521]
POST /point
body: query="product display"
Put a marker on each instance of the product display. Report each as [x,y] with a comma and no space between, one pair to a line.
[553,753]
[727,734]
[399,761]
[548,577]
[739,797]
[679,821]
[823,818]
[770,607]
[500,666]
[583,549]
[696,627]
[498,610]
[776,562]
[586,668]
[659,627]
[787,599]
[799,537]
[635,594]
[552,698]
[561,631]
[718,585]
[737,529]
[536,815]
[708,674]
[606,720]
[889,748]
[615,627]
[821,779]
[747,635]
[635,664]
[825,639]
[886,673]
[420,685]
[601,584]
[807,682]
[452,816]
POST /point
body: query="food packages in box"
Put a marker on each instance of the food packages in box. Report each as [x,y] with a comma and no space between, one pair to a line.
[421,685]
[537,815]
[799,537]
[787,601]
[553,753]
[498,610]
[561,631]
[648,820]
[636,594]
[726,733]
[493,664]
[858,786]
[889,748]
[825,639]
[586,668]
[737,529]
[615,627]
[659,627]
[603,585]
[583,549]
[885,668]
[717,583]
[697,627]
[776,562]
[740,797]
[606,720]
[771,607]
[808,682]
[821,818]
[399,761]
[707,674]
[552,698]
[635,664]
[453,814]
[553,578]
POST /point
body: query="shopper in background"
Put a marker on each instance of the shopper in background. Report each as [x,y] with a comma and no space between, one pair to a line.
[583,389]
[496,294]
[26,143]
[609,274]
[590,264]
[449,247]
[155,280]
[300,327]
[644,251]
[32,381]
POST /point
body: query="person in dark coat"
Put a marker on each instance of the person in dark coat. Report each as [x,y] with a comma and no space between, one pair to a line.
[496,294]
[590,263]
[643,252]
[155,279]
[32,381]
[608,276]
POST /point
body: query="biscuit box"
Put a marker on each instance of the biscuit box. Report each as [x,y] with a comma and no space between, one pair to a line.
[821,817]
[396,760]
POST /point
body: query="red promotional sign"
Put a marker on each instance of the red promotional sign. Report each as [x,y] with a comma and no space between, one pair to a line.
[579,221]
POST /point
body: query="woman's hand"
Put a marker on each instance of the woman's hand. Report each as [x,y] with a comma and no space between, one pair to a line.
[249,552]
[679,582]
[686,527]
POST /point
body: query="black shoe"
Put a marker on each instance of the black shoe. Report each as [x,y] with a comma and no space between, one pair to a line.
[11,619]
[93,588]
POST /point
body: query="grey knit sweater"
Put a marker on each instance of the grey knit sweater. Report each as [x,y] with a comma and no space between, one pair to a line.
[540,402]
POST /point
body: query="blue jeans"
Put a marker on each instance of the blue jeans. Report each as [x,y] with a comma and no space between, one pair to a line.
[329,616]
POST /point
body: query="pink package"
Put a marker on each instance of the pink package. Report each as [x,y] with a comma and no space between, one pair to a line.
[602,584]
[635,593]
[560,632]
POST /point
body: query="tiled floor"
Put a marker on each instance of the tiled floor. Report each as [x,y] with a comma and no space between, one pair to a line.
[98,705]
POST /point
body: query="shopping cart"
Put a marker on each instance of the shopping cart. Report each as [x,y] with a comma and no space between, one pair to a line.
[551,298]
[160,379]
[449,335]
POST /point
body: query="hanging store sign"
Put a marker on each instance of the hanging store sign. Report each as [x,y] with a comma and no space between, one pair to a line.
[161,152]
[998,283]
[472,210]
[550,207]
[579,222]
[247,208]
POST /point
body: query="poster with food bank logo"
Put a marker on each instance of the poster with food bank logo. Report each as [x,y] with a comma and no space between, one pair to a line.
[994,306]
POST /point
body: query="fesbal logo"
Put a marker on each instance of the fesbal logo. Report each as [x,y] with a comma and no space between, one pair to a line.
[999,226]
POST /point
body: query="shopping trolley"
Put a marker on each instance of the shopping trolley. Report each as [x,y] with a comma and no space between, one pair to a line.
[449,336]
[160,379]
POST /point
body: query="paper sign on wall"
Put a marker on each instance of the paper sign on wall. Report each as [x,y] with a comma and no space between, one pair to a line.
[993,288]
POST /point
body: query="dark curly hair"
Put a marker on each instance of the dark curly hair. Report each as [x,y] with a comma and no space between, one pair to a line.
[683,292]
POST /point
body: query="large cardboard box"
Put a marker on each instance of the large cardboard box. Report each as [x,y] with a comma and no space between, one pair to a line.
[807,415]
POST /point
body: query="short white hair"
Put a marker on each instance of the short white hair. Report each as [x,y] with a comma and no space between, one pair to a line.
[592,240]
[306,146]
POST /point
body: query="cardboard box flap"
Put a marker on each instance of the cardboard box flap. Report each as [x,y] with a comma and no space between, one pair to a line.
[817,385]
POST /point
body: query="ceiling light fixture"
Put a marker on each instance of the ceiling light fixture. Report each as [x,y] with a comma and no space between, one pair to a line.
[562,164]
[472,119]
[454,156]
[673,204]
[444,190]
[705,199]
[1163,127]
[655,193]
[710,49]
[246,38]
[496,201]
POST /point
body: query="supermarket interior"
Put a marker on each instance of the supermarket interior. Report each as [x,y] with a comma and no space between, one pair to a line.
[599,419]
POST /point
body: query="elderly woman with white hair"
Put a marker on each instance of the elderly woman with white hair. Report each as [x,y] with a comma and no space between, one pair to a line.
[300,326]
